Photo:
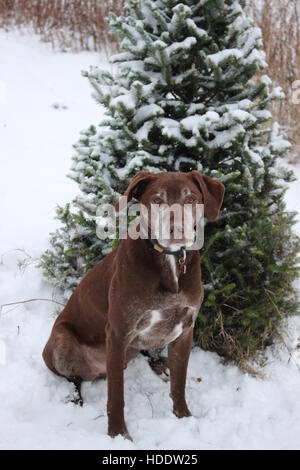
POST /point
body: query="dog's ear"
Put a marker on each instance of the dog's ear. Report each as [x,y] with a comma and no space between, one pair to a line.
[135,189]
[213,193]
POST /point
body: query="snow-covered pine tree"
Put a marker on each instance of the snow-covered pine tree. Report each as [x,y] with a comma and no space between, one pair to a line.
[189,93]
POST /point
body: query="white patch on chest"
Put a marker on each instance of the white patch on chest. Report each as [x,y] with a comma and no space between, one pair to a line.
[176,332]
[193,311]
[172,263]
[155,318]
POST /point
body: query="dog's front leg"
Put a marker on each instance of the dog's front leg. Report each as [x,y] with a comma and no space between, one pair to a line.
[116,353]
[178,355]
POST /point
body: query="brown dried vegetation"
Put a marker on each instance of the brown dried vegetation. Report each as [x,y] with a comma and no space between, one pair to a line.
[280,24]
[68,24]
[80,25]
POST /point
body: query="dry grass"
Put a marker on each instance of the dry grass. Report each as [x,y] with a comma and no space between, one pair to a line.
[80,25]
[68,24]
[280,24]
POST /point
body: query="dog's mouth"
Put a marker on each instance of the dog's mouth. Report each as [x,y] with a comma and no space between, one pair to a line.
[175,244]
[176,237]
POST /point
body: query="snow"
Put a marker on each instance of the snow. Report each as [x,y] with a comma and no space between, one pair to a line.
[36,138]
[148,112]
[242,116]
[186,44]
[127,100]
[278,144]
[196,122]
[231,409]
[193,28]
[220,57]
[226,138]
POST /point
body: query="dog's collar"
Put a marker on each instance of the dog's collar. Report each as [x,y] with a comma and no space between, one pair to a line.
[161,249]
[180,253]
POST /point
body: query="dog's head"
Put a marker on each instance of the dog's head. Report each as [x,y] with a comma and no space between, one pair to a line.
[170,202]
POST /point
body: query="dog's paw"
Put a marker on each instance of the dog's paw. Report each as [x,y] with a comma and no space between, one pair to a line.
[182,411]
[160,367]
[127,436]
[74,398]
[77,401]
[120,432]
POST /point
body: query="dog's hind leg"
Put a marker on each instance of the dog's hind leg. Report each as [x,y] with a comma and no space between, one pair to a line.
[67,356]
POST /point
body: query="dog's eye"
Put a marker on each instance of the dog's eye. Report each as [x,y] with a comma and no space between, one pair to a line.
[190,199]
[157,200]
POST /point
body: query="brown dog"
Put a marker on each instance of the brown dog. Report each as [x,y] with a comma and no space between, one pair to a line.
[141,296]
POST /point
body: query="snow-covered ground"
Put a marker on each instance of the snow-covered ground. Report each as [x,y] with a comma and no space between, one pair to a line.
[44,103]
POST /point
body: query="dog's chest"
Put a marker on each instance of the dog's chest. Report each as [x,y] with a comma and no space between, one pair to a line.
[162,324]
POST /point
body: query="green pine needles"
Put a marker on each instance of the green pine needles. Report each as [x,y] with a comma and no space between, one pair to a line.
[189,93]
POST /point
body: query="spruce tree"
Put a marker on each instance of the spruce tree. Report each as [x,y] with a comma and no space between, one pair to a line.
[189,92]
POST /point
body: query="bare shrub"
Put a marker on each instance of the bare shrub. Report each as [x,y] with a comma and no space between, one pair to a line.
[68,24]
[280,24]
